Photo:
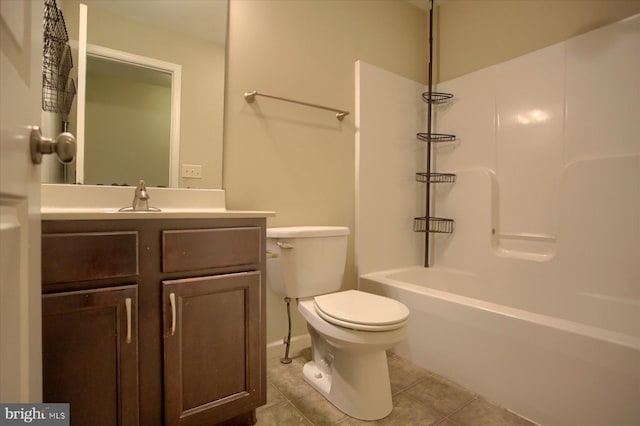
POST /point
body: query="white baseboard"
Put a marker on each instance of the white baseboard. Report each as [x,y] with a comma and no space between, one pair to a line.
[276,348]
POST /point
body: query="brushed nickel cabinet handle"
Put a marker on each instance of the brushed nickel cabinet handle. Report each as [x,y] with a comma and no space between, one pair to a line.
[172,300]
[127,304]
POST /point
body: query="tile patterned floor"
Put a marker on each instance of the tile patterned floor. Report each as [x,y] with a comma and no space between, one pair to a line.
[419,398]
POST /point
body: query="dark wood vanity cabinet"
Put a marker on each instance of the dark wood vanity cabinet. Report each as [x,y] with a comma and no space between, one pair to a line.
[205,316]
[212,314]
[91,354]
[171,331]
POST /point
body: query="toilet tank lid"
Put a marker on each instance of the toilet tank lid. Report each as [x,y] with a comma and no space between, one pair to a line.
[307,231]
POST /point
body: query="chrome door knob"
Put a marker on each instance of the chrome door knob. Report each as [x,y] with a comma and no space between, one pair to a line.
[64,146]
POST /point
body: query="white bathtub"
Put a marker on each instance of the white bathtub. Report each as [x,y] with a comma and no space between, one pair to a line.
[575,362]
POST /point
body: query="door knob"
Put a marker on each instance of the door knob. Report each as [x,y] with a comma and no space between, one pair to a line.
[64,146]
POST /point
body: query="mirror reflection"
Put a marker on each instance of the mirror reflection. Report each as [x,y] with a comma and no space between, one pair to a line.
[188,34]
[128,119]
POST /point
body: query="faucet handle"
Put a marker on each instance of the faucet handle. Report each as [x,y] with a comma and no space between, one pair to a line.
[140,200]
[141,191]
[140,197]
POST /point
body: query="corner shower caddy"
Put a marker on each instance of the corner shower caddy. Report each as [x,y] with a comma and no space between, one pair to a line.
[430,224]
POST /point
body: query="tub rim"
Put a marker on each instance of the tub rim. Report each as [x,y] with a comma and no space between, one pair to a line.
[585,330]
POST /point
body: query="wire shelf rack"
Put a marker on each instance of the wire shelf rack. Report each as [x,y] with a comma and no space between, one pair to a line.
[436,137]
[436,177]
[57,94]
[436,97]
[429,224]
[432,224]
[58,90]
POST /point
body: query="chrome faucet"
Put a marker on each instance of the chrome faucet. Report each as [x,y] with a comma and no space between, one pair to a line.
[140,197]
[140,200]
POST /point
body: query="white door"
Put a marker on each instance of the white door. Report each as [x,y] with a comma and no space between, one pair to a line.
[20,287]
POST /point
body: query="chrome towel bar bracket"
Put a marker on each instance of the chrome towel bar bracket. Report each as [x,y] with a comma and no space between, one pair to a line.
[251,96]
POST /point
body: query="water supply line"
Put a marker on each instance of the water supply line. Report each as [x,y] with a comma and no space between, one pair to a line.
[287,340]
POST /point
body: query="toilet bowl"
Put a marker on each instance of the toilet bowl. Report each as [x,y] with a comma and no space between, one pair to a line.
[350,330]
[349,366]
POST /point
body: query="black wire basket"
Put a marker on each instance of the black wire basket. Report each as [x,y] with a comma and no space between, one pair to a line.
[436,177]
[57,93]
[54,25]
[58,90]
[436,137]
[436,97]
[432,224]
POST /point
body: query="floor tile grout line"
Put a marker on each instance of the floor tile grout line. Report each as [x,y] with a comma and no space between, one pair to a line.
[444,416]
[475,398]
[417,382]
[293,407]
[289,401]
[302,414]
[441,416]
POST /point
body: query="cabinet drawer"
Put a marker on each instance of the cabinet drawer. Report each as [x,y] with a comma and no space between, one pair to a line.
[88,256]
[194,249]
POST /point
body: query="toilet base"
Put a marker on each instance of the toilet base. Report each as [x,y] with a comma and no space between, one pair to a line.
[357,385]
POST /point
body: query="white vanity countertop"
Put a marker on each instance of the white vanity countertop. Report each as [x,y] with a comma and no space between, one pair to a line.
[86,202]
[113,214]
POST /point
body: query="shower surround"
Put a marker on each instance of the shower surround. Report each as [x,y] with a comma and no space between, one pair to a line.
[534,300]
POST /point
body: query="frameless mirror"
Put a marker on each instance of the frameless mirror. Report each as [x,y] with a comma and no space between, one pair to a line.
[167,57]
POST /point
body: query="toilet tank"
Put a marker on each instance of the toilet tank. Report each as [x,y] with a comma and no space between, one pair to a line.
[309,260]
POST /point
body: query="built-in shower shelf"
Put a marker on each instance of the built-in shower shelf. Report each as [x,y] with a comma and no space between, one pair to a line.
[436,177]
[437,97]
[432,224]
[436,137]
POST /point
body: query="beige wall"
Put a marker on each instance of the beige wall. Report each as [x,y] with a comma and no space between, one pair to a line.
[473,34]
[292,159]
[300,162]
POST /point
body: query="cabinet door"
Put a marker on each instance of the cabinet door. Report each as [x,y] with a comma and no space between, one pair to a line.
[211,348]
[90,354]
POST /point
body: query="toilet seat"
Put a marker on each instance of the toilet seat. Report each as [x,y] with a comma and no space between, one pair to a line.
[359,310]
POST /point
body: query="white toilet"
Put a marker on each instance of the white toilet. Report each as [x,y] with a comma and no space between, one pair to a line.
[350,330]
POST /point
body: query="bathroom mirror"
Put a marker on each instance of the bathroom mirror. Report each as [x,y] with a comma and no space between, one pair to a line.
[131,117]
[190,34]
